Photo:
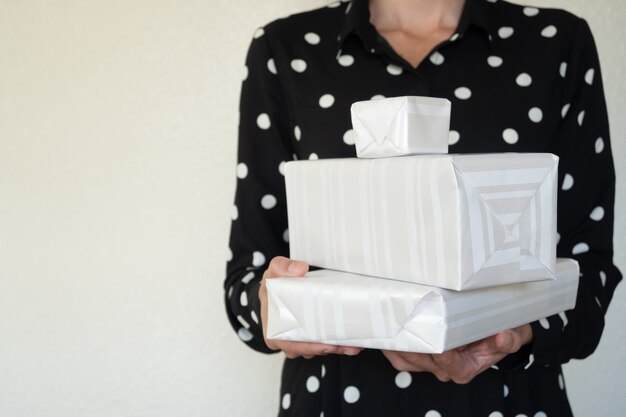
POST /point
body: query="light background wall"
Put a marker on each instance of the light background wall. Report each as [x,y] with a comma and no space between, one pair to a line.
[117,156]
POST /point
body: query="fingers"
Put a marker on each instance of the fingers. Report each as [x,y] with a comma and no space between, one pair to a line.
[308,350]
[461,368]
[416,362]
[285,267]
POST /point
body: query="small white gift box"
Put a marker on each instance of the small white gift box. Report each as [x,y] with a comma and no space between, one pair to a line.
[451,221]
[351,310]
[401,126]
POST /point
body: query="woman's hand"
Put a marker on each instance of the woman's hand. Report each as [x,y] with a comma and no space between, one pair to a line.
[462,364]
[284,267]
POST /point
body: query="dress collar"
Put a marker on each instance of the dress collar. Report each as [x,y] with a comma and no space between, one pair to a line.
[357,22]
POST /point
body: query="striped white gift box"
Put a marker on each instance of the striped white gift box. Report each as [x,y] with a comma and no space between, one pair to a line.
[451,221]
[354,310]
[398,126]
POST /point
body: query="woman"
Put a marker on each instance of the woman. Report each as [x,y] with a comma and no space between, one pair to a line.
[520,79]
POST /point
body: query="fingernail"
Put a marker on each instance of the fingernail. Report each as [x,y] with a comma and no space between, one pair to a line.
[508,342]
[293,267]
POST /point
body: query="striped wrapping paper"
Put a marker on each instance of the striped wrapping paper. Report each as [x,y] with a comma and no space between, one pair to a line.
[451,221]
[397,126]
[354,310]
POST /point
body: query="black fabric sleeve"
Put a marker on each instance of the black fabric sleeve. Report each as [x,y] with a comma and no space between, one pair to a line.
[586,199]
[259,226]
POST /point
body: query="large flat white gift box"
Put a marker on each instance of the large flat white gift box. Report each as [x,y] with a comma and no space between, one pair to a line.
[401,126]
[351,310]
[451,221]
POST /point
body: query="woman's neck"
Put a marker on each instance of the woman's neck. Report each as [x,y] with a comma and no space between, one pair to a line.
[419,17]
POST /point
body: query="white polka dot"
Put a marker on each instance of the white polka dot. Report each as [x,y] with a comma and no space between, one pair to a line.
[244,334]
[579,248]
[523,80]
[564,110]
[581,117]
[247,278]
[506,390]
[510,136]
[496,414]
[271,66]
[563,69]
[245,73]
[521,415]
[348,8]
[312,384]
[561,382]
[298,65]
[258,33]
[349,137]
[531,11]
[544,323]
[323,371]
[494,367]
[286,235]
[432,413]
[403,379]
[243,298]
[463,93]
[229,255]
[313,157]
[453,137]
[589,76]
[558,237]
[242,170]
[568,182]
[297,133]
[531,359]
[268,201]
[377,97]
[535,114]
[345,60]
[548,31]
[454,37]
[234,215]
[436,58]
[230,292]
[598,302]
[326,101]
[254,317]
[351,394]
[603,278]
[281,168]
[312,38]
[597,214]
[540,414]
[263,121]
[505,32]
[492,1]
[394,69]
[599,145]
[286,401]
[258,259]
[494,61]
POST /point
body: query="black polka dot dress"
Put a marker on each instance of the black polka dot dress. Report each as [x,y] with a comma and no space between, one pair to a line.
[520,79]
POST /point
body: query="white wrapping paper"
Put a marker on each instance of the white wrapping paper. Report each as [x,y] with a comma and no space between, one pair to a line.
[350,310]
[451,221]
[401,126]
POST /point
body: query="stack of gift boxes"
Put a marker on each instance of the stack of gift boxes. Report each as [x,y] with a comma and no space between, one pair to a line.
[422,251]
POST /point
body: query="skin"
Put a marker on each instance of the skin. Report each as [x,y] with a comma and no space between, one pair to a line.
[412,28]
[460,365]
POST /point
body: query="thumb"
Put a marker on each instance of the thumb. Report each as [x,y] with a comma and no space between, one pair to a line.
[285,267]
[508,341]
